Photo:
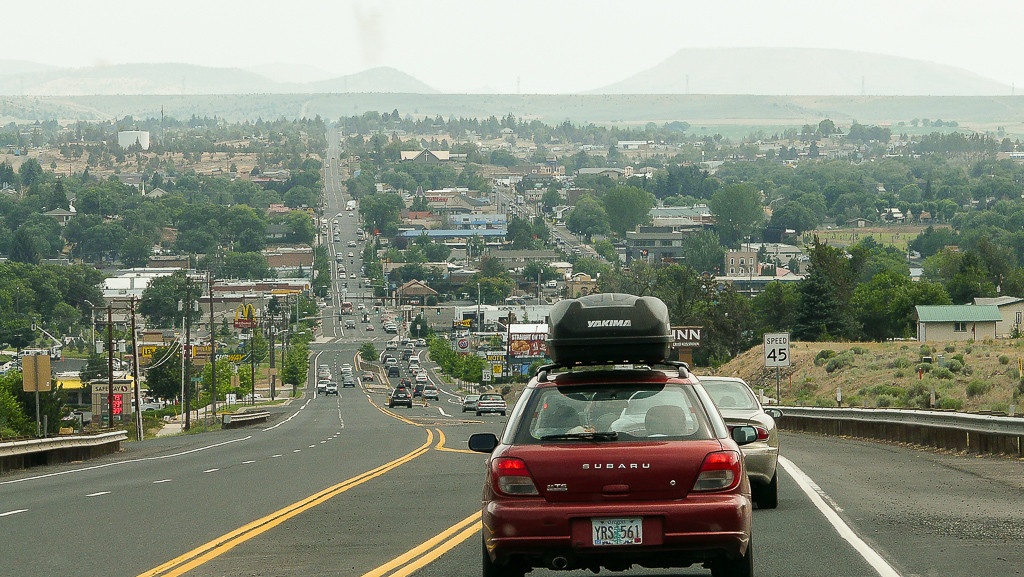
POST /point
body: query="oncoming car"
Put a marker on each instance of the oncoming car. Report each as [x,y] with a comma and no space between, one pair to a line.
[739,406]
[607,468]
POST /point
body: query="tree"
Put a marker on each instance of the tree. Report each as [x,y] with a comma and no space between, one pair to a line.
[885,304]
[159,303]
[824,311]
[245,265]
[135,251]
[631,207]
[520,233]
[702,251]
[163,377]
[738,213]
[588,217]
[550,199]
[775,308]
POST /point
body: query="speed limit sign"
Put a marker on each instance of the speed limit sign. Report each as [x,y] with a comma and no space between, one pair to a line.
[776,350]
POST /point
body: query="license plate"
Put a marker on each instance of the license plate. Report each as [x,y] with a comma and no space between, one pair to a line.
[621,531]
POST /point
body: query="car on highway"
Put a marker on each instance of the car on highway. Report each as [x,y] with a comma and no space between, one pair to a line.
[323,372]
[332,389]
[321,385]
[348,381]
[469,402]
[394,371]
[430,392]
[417,389]
[565,489]
[490,403]
[740,406]
[421,377]
[369,327]
[421,342]
[367,377]
[400,396]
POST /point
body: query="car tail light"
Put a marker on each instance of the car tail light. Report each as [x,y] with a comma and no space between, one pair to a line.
[512,477]
[721,471]
[762,433]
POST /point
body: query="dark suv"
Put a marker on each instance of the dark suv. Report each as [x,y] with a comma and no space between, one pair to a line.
[610,468]
[400,396]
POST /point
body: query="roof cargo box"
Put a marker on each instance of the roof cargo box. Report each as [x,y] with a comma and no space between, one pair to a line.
[609,328]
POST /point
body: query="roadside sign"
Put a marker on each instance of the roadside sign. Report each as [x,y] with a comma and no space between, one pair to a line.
[463,344]
[776,350]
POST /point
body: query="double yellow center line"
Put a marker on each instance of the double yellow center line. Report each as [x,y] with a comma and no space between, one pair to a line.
[212,549]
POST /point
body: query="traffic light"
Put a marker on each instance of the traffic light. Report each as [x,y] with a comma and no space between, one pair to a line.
[438,310]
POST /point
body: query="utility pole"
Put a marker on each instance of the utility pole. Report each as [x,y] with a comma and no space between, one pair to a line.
[186,355]
[110,366]
[213,352]
[273,375]
[139,432]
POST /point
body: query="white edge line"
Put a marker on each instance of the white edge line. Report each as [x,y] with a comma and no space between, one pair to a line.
[815,494]
[98,494]
[14,512]
[105,465]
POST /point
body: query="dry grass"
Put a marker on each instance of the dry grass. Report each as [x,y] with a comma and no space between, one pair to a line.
[887,374]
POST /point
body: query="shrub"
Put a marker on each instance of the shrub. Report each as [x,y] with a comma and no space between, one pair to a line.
[1004,360]
[858,350]
[899,363]
[822,356]
[955,365]
[950,404]
[883,401]
[925,350]
[927,367]
[950,348]
[960,357]
[839,362]
[977,388]
[942,373]
[899,374]
[890,390]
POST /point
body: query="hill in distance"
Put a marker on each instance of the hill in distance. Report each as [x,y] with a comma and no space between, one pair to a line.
[802,71]
[24,78]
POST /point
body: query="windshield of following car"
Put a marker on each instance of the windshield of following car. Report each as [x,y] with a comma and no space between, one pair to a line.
[729,394]
[617,412]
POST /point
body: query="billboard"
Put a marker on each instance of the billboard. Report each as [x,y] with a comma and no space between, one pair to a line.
[527,341]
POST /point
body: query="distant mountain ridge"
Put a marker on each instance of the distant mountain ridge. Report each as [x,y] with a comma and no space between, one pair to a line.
[24,78]
[707,71]
[802,72]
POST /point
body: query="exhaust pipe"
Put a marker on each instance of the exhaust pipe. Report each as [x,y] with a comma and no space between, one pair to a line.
[559,563]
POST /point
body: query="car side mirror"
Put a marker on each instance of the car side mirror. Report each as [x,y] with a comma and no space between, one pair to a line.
[744,435]
[486,442]
[773,413]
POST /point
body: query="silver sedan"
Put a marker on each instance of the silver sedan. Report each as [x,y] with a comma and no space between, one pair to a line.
[740,406]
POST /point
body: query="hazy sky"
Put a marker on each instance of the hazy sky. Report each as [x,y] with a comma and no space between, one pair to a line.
[529,46]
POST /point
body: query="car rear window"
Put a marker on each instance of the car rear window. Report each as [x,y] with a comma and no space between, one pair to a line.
[613,412]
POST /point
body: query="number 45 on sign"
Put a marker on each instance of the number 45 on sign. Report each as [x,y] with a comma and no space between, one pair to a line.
[776,350]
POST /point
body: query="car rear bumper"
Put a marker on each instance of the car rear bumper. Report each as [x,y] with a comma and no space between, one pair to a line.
[761,462]
[675,534]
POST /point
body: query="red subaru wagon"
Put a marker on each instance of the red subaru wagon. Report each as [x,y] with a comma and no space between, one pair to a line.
[611,468]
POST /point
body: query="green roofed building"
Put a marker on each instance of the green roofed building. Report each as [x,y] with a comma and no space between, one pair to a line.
[957,322]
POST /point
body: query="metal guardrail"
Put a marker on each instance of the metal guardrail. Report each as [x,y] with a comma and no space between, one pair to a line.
[52,450]
[229,420]
[26,446]
[971,432]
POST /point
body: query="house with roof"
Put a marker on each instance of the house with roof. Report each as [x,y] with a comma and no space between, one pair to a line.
[1011,313]
[956,322]
[579,285]
[425,156]
[415,292]
[63,216]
